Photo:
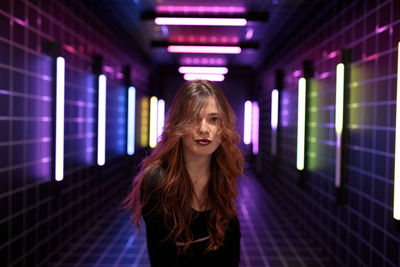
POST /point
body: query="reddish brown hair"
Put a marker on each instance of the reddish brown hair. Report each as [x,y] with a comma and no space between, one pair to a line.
[175,187]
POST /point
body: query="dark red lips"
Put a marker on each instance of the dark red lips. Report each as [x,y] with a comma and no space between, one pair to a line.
[203,142]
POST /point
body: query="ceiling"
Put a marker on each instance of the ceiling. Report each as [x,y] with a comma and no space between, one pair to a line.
[276,21]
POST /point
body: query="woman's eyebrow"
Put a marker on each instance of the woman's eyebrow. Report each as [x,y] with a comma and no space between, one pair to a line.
[213,114]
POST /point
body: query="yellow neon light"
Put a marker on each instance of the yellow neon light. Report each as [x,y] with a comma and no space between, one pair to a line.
[144,126]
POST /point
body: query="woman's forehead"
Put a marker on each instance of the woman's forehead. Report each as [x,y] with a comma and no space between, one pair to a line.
[210,106]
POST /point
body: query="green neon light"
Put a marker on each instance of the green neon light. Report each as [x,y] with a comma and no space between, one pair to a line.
[301,126]
[396,202]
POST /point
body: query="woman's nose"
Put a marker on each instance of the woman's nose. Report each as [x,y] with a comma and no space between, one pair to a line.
[204,127]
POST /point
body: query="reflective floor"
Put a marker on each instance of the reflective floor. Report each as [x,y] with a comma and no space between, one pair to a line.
[270,237]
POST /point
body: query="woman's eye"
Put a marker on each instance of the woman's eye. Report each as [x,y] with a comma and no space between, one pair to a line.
[214,119]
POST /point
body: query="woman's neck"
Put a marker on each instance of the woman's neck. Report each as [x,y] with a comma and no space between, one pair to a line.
[198,168]
[199,173]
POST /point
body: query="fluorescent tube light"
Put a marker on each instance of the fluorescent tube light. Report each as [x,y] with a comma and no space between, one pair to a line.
[274,120]
[201,76]
[101,124]
[200,21]
[255,126]
[205,70]
[339,120]
[60,100]
[301,127]
[153,122]
[160,117]
[130,142]
[396,204]
[247,122]
[204,49]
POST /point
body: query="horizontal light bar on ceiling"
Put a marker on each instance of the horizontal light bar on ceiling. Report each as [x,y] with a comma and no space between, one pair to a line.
[202,76]
[203,70]
[201,21]
[204,49]
[242,45]
[201,9]
[261,16]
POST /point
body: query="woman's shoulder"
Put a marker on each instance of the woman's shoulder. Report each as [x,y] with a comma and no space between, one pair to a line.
[152,177]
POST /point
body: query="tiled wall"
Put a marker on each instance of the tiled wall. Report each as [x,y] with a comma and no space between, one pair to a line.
[363,232]
[39,216]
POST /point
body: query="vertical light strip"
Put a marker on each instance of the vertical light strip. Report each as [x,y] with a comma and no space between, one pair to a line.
[153,122]
[301,127]
[130,142]
[255,125]
[144,127]
[101,126]
[60,95]
[274,120]
[160,118]
[396,197]
[247,122]
[339,120]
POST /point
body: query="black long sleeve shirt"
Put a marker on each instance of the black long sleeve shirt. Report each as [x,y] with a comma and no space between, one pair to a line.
[165,252]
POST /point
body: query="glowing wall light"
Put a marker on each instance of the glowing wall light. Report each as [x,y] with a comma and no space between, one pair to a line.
[130,142]
[144,126]
[160,117]
[203,70]
[396,204]
[201,9]
[255,126]
[247,122]
[204,49]
[200,76]
[274,120]
[101,126]
[60,97]
[301,127]
[200,21]
[153,122]
[339,120]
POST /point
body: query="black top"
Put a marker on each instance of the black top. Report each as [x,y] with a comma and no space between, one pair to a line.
[165,252]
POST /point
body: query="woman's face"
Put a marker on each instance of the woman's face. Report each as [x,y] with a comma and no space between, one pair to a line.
[203,136]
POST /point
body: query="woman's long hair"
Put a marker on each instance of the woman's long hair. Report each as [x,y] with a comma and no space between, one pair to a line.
[175,189]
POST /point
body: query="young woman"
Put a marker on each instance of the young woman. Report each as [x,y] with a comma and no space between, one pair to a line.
[186,188]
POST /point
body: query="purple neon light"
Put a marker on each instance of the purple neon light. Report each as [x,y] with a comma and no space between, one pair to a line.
[203,70]
[255,126]
[201,9]
[247,123]
[204,49]
[201,21]
[202,76]
[203,61]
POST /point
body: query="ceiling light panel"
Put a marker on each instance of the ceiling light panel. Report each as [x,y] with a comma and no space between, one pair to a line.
[204,49]
[201,9]
[200,21]
[203,70]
